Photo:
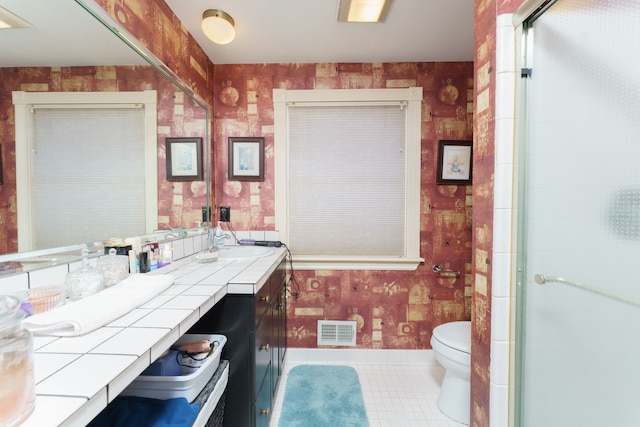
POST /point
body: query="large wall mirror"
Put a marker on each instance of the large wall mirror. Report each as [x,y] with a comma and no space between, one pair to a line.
[73,46]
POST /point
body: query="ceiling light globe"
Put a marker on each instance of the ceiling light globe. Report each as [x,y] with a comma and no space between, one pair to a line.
[218,26]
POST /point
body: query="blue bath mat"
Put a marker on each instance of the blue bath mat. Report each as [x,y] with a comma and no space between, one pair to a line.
[323,396]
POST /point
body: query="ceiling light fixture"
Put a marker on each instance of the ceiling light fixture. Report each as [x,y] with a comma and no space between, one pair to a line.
[218,26]
[8,20]
[363,10]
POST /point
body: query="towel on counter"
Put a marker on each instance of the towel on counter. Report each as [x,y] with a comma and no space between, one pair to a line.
[131,411]
[90,313]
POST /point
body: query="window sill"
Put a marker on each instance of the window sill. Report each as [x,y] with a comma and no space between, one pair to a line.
[308,262]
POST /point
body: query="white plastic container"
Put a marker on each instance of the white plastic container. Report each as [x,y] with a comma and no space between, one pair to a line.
[187,386]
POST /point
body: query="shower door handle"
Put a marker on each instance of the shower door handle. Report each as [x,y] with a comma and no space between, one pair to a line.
[541,279]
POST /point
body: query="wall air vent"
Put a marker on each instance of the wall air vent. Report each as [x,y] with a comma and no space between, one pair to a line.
[337,332]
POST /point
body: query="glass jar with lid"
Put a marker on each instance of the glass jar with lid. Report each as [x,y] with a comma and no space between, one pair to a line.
[17,387]
[85,281]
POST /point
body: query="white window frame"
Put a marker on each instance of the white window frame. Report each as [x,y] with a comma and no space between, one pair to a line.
[412,97]
[24,101]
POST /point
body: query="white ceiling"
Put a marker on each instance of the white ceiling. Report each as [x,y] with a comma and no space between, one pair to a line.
[290,31]
[62,34]
[276,31]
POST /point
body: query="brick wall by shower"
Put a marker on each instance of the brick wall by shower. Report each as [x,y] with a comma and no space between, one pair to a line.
[393,309]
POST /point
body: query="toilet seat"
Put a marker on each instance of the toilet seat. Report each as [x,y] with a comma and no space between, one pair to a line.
[456,335]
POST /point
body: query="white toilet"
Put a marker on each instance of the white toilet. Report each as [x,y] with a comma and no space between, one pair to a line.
[451,343]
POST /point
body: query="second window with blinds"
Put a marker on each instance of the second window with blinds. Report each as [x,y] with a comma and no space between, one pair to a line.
[348,177]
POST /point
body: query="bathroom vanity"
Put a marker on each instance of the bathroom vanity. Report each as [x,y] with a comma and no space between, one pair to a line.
[255,327]
[77,377]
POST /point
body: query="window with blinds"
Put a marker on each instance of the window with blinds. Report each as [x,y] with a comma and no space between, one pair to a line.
[81,159]
[86,166]
[347,171]
[347,176]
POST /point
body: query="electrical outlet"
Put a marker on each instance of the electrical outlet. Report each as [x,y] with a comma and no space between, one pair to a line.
[206,214]
[225,213]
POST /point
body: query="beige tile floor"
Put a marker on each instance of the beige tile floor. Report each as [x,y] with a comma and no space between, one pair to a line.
[394,395]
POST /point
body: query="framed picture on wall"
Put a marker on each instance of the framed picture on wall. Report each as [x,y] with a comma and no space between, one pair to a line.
[184,159]
[454,162]
[246,159]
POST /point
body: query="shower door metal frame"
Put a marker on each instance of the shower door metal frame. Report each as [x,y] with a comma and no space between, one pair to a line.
[523,19]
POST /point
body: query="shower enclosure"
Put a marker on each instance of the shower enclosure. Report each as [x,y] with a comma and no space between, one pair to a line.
[578,283]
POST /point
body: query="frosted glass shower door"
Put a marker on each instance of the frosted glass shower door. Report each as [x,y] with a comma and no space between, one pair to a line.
[579,225]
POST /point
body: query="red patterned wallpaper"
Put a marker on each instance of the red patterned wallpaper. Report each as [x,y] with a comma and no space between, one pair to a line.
[394,309]
[486,12]
[483,168]
[179,202]
[153,24]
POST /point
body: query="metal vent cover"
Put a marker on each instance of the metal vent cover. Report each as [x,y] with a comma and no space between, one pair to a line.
[337,332]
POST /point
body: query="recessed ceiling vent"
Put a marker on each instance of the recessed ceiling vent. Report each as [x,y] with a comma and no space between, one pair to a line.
[337,332]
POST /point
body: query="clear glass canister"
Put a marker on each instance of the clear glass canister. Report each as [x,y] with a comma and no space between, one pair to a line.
[115,267]
[85,281]
[17,384]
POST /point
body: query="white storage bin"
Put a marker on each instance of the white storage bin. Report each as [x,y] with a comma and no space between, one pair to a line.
[187,386]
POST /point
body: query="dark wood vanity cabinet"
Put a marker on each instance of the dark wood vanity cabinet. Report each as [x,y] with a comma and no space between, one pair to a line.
[280,338]
[256,331]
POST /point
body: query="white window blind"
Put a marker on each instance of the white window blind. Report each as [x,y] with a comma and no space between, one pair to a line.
[347,180]
[347,177]
[74,153]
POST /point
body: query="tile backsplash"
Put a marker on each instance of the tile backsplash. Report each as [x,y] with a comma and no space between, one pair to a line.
[56,274]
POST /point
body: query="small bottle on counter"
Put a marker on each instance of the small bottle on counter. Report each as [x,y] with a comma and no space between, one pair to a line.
[134,266]
[144,261]
[165,255]
[154,258]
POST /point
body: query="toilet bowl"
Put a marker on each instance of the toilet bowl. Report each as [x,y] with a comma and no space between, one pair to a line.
[451,343]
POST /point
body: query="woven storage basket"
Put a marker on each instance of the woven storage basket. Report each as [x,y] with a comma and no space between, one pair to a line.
[216,419]
[217,416]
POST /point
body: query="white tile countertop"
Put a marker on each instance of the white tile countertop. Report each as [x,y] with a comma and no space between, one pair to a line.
[77,377]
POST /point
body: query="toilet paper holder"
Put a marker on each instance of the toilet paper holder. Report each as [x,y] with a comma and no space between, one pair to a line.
[437,268]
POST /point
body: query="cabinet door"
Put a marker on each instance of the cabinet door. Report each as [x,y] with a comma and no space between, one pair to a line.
[282,327]
[279,338]
[275,339]
[263,403]
[263,300]
[262,350]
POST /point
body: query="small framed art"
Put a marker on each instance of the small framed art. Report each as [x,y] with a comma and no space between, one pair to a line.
[184,159]
[246,159]
[454,162]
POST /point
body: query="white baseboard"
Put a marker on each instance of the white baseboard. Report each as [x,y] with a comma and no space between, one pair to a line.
[332,356]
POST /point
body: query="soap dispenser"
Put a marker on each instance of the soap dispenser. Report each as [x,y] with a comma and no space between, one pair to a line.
[218,239]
